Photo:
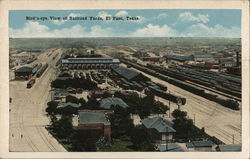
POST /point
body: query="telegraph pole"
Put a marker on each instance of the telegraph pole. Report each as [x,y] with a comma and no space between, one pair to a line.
[233,138]
[169,106]
[194,119]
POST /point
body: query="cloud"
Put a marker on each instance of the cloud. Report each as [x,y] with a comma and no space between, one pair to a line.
[58,22]
[121,13]
[162,15]
[75,15]
[189,17]
[98,31]
[35,29]
[152,30]
[30,29]
[202,30]
[104,14]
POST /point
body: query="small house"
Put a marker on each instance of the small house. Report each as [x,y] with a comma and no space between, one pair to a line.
[204,146]
[160,129]
[107,103]
[170,147]
[229,148]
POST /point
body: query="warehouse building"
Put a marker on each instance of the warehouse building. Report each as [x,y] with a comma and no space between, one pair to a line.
[129,74]
[23,73]
[89,63]
[151,59]
[203,57]
[177,58]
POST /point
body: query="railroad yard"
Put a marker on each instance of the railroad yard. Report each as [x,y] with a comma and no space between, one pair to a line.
[199,84]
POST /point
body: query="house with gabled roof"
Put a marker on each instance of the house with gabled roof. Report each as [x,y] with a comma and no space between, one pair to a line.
[160,129]
[107,103]
[204,146]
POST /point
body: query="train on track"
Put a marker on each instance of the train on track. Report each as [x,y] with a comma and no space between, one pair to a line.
[160,73]
[41,71]
[31,83]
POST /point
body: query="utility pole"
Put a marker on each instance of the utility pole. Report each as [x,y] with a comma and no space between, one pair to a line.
[194,119]
[169,109]
[169,106]
[233,138]
[166,134]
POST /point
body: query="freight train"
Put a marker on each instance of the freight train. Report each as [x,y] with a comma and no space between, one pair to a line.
[165,95]
[41,71]
[161,74]
[31,83]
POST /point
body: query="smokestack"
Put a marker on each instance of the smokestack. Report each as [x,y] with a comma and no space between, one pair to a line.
[237,59]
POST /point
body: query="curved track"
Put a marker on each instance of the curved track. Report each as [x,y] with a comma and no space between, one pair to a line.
[27,116]
[218,121]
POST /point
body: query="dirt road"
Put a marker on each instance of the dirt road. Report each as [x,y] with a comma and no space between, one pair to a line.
[27,112]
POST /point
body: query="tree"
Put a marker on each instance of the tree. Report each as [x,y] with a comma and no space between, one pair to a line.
[84,141]
[147,103]
[159,108]
[185,128]
[121,123]
[92,103]
[72,99]
[83,103]
[63,127]
[179,114]
[141,139]
[51,107]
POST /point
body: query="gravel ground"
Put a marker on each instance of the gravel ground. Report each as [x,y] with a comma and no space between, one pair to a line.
[27,116]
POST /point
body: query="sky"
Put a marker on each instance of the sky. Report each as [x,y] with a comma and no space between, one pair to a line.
[146,23]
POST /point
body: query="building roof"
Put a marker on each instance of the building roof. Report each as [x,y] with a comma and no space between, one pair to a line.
[125,72]
[171,147]
[227,61]
[195,144]
[159,124]
[72,105]
[24,69]
[106,103]
[60,93]
[203,56]
[229,148]
[178,58]
[89,60]
[93,118]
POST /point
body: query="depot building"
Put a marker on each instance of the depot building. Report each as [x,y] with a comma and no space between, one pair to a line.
[23,73]
[89,63]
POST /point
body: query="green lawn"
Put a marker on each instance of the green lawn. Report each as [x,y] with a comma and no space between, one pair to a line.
[118,146]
